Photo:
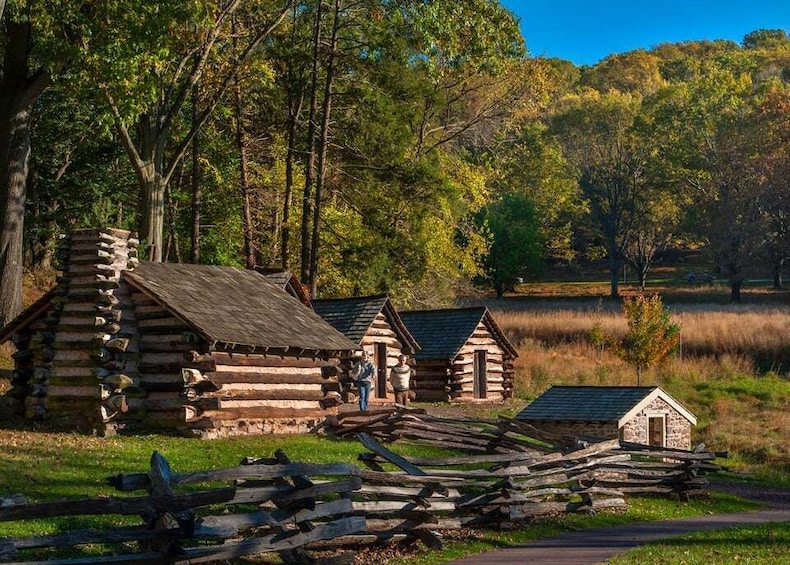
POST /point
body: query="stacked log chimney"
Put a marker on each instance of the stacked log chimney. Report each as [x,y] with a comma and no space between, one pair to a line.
[83,351]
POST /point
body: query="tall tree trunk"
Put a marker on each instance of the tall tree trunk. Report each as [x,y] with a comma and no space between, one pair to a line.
[735,290]
[614,268]
[323,146]
[244,175]
[154,188]
[641,274]
[244,182]
[311,149]
[285,245]
[196,193]
[149,166]
[172,211]
[18,92]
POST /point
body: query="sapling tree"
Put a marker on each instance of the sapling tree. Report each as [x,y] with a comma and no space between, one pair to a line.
[651,335]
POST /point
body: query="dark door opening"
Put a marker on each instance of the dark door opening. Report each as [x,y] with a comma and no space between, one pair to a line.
[381,370]
[656,431]
[480,378]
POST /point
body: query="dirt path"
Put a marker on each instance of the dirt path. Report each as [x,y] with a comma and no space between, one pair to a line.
[588,547]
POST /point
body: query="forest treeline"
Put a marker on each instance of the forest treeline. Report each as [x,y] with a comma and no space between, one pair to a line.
[383,146]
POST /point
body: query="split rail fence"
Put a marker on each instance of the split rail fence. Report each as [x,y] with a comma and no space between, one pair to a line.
[506,473]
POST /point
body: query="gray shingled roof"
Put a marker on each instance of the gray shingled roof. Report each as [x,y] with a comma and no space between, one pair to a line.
[585,403]
[350,316]
[354,316]
[278,278]
[442,333]
[234,306]
[287,281]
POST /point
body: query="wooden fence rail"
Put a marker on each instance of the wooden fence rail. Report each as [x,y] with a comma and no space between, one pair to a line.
[505,473]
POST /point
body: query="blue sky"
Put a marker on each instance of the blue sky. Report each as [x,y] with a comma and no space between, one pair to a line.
[587,31]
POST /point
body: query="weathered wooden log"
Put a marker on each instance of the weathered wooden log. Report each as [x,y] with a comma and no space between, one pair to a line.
[267,377]
[148,366]
[139,481]
[276,542]
[127,506]
[231,525]
[277,394]
[398,461]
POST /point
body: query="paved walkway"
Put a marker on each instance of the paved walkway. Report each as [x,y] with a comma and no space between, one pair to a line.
[589,547]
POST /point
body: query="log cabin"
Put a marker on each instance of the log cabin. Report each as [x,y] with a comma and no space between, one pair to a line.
[374,325]
[134,346]
[646,415]
[464,356]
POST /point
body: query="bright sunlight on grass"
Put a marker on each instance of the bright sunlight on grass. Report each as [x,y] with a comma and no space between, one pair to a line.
[767,544]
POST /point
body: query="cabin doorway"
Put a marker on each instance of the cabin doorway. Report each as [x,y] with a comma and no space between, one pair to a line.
[380,360]
[656,431]
[480,377]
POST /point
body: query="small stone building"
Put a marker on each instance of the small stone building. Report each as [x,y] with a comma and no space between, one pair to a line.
[645,415]
[128,345]
[375,326]
[464,356]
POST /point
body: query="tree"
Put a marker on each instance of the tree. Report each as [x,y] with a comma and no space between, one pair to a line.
[515,245]
[34,47]
[766,39]
[634,71]
[597,135]
[651,333]
[162,67]
[770,158]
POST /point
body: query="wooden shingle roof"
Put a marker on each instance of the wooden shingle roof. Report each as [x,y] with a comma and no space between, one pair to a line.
[442,333]
[287,281]
[596,404]
[29,315]
[353,317]
[229,307]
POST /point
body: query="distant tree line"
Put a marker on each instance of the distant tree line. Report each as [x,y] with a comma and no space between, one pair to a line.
[376,146]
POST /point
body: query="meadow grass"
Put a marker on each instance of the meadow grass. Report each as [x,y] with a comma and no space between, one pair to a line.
[766,544]
[760,333]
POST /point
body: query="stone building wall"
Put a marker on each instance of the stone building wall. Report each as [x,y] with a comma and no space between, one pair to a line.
[678,428]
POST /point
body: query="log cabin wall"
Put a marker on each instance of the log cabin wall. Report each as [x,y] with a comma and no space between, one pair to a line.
[263,394]
[80,351]
[381,335]
[463,371]
[433,381]
[26,385]
[162,341]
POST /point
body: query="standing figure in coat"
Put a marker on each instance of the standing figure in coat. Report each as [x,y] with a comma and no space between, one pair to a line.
[362,374]
[400,376]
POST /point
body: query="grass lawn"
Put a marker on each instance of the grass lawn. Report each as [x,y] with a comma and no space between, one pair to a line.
[767,544]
